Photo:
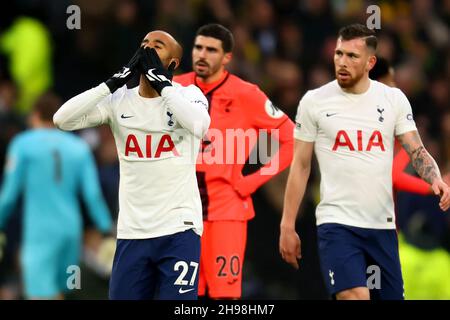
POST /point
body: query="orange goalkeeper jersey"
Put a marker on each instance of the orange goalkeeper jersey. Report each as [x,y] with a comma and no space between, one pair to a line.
[236,107]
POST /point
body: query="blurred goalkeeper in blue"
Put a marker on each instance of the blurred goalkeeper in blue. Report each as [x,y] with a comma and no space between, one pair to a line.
[50,168]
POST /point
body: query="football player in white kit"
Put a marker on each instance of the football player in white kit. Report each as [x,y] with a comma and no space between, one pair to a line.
[157,127]
[350,123]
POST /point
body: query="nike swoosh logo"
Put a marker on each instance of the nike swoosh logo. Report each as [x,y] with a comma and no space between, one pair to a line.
[126,117]
[157,77]
[181,291]
[331,114]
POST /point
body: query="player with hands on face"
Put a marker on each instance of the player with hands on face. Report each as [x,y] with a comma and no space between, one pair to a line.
[157,127]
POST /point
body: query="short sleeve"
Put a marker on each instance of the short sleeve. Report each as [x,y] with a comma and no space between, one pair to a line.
[305,124]
[404,121]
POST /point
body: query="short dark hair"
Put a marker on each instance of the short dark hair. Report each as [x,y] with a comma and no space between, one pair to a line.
[357,30]
[47,105]
[218,31]
[380,69]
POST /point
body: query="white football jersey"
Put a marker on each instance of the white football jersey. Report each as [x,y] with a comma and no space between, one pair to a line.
[353,137]
[158,192]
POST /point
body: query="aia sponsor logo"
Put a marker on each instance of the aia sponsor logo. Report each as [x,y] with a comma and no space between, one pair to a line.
[165,144]
[344,141]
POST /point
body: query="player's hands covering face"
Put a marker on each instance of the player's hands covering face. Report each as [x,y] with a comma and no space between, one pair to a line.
[153,69]
[121,77]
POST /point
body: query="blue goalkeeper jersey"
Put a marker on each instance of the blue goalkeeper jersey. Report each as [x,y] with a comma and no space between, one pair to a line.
[51,168]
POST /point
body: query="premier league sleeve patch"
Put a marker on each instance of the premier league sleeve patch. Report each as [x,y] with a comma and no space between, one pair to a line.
[272,110]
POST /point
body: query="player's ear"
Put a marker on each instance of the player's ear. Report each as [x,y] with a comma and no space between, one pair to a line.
[227,58]
[174,63]
[371,62]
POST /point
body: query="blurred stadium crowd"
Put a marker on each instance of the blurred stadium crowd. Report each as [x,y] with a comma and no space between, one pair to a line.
[286,47]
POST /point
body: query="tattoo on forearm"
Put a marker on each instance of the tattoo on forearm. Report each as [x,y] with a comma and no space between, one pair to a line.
[424,164]
[421,160]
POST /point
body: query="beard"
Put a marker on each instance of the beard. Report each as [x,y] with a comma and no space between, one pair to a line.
[204,70]
[350,81]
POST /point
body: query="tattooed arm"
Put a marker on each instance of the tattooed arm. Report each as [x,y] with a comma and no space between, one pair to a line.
[421,160]
[425,166]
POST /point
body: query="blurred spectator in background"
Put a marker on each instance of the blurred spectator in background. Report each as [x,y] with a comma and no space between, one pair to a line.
[26,42]
[50,168]
[11,123]
[383,72]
